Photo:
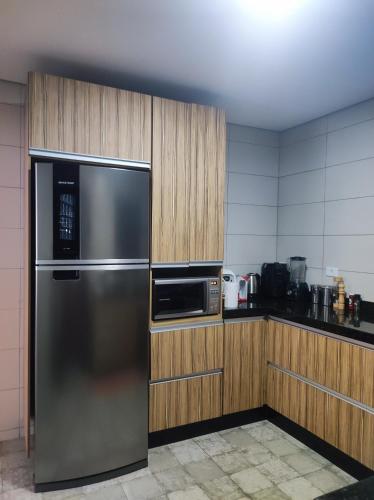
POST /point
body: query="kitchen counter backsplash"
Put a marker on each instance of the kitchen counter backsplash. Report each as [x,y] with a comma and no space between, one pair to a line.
[357,326]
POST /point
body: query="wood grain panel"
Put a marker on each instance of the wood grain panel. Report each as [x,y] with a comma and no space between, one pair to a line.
[78,117]
[243,366]
[187,351]
[207,180]
[341,424]
[184,401]
[170,191]
[338,365]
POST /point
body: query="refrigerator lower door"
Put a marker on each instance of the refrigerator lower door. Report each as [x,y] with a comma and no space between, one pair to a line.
[91,348]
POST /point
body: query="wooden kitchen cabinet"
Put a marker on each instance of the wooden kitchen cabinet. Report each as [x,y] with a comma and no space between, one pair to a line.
[188,162]
[184,401]
[184,352]
[243,380]
[339,423]
[339,365]
[78,117]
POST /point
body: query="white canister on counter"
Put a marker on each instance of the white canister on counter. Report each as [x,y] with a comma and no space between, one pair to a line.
[231,294]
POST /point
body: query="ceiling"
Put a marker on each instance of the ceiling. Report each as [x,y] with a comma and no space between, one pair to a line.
[266,70]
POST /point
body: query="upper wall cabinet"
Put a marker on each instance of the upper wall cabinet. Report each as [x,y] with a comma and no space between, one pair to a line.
[188,162]
[83,118]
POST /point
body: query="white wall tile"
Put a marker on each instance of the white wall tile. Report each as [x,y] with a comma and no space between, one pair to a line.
[310,247]
[301,219]
[12,93]
[362,283]
[10,207]
[10,288]
[244,249]
[250,219]
[349,116]
[249,158]
[9,329]
[314,276]
[252,135]
[351,143]
[10,125]
[253,189]
[10,166]
[301,156]
[354,216]
[304,131]
[10,248]
[9,414]
[240,269]
[350,253]
[350,180]
[9,369]
[301,188]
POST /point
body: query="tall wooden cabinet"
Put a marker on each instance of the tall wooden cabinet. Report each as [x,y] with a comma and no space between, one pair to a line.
[188,162]
[71,116]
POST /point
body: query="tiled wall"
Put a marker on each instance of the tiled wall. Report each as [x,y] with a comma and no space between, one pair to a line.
[326,196]
[251,198]
[11,192]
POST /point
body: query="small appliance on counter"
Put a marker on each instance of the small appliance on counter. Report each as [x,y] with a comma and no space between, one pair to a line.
[298,288]
[242,289]
[230,288]
[275,277]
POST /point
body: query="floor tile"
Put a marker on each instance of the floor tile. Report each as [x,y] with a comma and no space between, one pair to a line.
[222,488]
[160,459]
[20,494]
[239,438]
[113,492]
[265,432]
[14,460]
[270,494]
[231,462]
[145,471]
[257,454]
[342,474]
[277,471]
[187,451]
[176,478]
[299,489]
[302,462]
[193,493]
[325,480]
[213,444]
[21,477]
[251,480]
[205,470]
[281,447]
[11,446]
[69,494]
[142,488]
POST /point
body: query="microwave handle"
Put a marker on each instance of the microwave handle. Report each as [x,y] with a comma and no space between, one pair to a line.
[174,281]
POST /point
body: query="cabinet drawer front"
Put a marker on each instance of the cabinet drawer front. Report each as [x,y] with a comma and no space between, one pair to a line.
[184,401]
[341,366]
[341,424]
[184,352]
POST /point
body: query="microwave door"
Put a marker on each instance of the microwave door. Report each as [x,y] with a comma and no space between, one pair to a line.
[174,299]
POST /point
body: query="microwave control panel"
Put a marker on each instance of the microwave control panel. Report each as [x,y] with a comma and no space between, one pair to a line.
[214,295]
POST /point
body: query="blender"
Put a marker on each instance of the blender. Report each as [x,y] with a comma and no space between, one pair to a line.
[298,288]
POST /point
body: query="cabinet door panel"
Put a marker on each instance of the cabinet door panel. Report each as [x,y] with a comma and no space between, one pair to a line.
[79,117]
[170,192]
[207,178]
[187,351]
[184,401]
[243,366]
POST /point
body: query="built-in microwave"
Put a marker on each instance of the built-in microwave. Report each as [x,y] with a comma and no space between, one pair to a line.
[185,297]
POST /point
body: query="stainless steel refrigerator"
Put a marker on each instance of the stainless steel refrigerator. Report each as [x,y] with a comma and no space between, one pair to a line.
[90,318]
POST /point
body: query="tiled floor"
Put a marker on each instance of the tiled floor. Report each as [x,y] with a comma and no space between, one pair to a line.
[257,461]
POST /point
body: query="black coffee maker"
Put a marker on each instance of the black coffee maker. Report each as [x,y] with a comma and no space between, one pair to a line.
[298,289]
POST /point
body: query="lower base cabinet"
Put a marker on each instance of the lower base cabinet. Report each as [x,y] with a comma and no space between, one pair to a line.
[341,424]
[184,401]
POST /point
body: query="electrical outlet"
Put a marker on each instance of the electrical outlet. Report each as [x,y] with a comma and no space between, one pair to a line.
[332,271]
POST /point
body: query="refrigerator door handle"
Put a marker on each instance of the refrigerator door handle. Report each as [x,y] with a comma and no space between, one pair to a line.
[101,267]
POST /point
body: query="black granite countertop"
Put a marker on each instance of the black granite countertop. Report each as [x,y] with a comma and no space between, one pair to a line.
[358,327]
[363,490]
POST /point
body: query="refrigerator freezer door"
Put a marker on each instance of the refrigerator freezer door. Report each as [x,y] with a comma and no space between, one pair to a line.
[113,212]
[91,350]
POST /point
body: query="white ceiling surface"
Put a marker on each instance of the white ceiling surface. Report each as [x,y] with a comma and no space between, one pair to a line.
[266,72]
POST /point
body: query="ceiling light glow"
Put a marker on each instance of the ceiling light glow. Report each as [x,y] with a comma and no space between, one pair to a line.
[275,10]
